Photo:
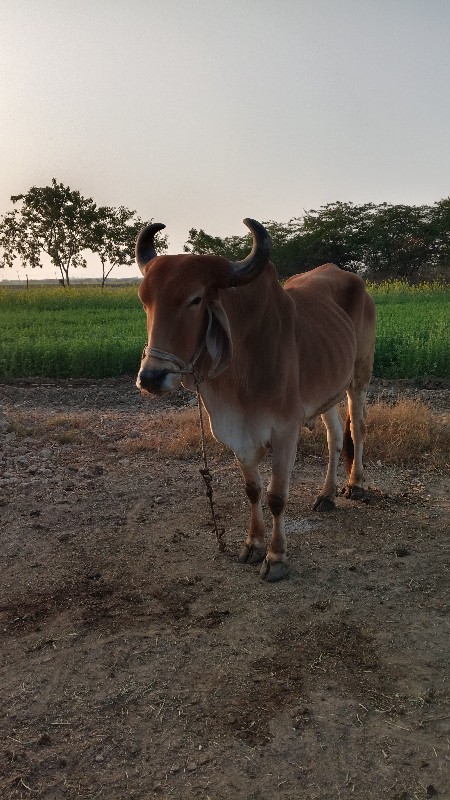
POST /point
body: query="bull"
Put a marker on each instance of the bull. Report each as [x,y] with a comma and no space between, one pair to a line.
[270,359]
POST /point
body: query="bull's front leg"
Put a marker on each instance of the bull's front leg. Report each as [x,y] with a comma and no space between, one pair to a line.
[254,548]
[284,447]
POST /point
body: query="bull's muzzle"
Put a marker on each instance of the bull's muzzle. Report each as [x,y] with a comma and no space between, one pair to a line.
[158,380]
[153,380]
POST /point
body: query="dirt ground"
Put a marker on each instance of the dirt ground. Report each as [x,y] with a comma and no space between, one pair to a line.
[138,662]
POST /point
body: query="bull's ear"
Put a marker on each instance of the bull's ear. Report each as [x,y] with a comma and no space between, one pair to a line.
[218,338]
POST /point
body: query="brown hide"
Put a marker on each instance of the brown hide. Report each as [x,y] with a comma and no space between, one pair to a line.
[262,371]
[294,349]
[335,324]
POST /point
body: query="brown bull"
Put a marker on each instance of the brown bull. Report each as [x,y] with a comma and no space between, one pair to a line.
[271,359]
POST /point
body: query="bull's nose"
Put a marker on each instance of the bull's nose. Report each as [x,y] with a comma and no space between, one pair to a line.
[151,379]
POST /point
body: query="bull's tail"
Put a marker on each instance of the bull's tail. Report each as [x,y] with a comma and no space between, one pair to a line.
[348,447]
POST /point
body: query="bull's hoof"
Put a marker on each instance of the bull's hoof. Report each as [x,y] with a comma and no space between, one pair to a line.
[324,504]
[273,571]
[355,493]
[251,554]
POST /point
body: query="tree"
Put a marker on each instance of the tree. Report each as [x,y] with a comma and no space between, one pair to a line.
[57,221]
[238,247]
[440,226]
[382,241]
[113,237]
[231,247]
[336,233]
[52,219]
[401,241]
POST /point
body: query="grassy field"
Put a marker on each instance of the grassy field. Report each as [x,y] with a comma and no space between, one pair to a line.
[81,332]
[413,330]
[86,332]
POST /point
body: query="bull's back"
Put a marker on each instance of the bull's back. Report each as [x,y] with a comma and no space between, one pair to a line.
[330,285]
[335,324]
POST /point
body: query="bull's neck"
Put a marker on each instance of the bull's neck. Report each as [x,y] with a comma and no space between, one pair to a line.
[260,316]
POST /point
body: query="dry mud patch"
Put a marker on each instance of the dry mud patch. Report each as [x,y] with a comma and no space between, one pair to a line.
[138,662]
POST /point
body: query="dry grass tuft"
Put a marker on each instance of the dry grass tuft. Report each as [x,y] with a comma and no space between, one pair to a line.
[18,427]
[407,432]
[185,430]
[63,428]
[404,433]
[176,435]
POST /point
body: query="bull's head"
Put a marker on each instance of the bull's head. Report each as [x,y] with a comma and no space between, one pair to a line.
[185,319]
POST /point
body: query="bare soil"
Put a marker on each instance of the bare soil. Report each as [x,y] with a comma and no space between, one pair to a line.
[139,662]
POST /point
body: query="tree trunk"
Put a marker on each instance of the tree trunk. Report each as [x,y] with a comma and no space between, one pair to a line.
[65,274]
[58,264]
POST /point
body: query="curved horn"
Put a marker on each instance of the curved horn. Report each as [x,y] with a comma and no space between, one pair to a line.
[249,269]
[145,249]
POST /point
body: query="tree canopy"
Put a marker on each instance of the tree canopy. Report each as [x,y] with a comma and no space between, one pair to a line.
[380,241]
[58,221]
[113,237]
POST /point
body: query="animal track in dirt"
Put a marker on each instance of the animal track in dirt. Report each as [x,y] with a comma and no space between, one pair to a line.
[92,595]
[326,656]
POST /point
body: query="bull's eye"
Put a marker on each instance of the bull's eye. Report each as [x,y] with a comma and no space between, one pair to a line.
[195,302]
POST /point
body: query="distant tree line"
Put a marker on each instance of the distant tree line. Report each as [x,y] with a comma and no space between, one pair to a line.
[379,241]
[60,223]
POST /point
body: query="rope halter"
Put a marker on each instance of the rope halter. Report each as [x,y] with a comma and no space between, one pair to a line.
[184,367]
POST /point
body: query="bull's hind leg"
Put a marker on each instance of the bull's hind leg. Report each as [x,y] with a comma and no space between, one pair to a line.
[354,435]
[326,499]
[355,425]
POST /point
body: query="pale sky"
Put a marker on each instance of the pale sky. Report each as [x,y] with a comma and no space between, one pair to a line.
[199,113]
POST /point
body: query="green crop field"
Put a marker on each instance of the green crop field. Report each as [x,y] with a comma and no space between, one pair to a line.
[81,332]
[87,332]
[413,330]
